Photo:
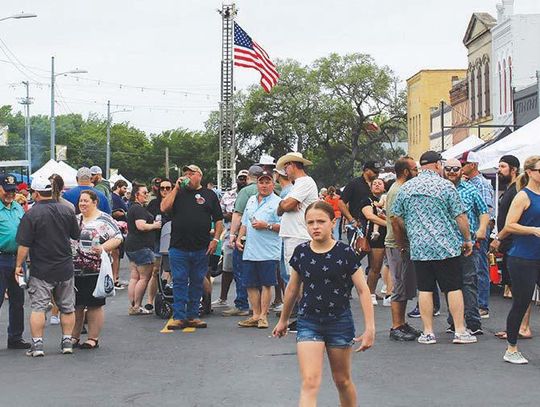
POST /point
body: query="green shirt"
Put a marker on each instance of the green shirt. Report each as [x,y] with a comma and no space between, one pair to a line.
[390,241]
[103,186]
[243,196]
[9,223]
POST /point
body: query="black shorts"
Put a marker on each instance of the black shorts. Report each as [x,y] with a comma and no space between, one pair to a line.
[84,287]
[446,272]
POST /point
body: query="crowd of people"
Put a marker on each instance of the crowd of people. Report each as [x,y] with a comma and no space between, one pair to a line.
[427,229]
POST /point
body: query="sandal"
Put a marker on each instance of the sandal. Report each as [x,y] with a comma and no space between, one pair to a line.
[88,344]
[502,335]
[76,342]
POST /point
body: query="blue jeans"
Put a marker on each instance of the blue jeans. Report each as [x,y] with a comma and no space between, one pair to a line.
[188,272]
[241,300]
[16,297]
[482,269]
[470,293]
[283,267]
[336,232]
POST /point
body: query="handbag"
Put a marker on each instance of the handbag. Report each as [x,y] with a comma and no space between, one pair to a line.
[105,283]
[359,242]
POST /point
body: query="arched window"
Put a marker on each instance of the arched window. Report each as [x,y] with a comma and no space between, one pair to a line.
[505,87]
[500,89]
[510,90]
[479,95]
[487,89]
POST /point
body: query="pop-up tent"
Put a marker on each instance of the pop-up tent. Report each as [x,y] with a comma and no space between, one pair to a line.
[522,143]
[61,168]
[465,145]
[117,177]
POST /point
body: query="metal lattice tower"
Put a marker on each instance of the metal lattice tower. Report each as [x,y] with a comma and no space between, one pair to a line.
[227,143]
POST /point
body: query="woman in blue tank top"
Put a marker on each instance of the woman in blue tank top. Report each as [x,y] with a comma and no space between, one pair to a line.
[523,222]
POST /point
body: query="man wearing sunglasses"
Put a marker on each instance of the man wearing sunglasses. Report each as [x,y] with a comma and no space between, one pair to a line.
[477,213]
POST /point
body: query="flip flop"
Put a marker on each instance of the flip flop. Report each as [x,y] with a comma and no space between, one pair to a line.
[503,335]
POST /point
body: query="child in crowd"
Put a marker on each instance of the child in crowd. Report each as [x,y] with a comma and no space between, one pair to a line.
[379,206]
[327,269]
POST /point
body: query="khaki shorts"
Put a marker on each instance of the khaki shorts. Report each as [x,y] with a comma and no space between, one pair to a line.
[289,244]
[41,292]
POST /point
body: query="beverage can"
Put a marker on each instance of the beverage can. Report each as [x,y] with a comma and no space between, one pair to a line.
[184,183]
[158,218]
[22,282]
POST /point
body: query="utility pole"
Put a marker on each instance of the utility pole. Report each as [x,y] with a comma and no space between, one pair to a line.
[538,91]
[27,101]
[166,162]
[227,143]
[108,156]
[53,124]
[442,125]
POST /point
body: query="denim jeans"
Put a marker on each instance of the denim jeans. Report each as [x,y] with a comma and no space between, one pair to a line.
[283,267]
[241,300]
[16,297]
[188,272]
[470,293]
[482,269]
[336,232]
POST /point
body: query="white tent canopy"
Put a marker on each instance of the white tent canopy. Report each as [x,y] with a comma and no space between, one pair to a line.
[116,177]
[522,143]
[61,168]
[465,145]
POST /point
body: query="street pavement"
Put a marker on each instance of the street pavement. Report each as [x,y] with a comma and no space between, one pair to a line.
[223,365]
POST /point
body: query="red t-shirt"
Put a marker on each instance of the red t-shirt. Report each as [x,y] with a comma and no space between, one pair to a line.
[333,200]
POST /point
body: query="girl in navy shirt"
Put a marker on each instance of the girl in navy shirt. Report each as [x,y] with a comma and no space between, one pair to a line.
[327,269]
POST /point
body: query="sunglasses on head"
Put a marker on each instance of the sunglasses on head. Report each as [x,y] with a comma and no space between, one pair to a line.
[452,169]
[166,188]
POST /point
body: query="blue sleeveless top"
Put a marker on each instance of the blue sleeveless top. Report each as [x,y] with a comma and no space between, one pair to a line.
[528,246]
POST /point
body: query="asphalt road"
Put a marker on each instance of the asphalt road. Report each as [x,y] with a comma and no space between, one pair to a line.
[224,365]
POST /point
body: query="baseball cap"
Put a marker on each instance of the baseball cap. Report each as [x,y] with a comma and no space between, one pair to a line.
[511,160]
[95,170]
[84,173]
[8,183]
[242,173]
[41,184]
[373,166]
[430,157]
[23,186]
[192,167]
[467,157]
[265,174]
[281,172]
[255,171]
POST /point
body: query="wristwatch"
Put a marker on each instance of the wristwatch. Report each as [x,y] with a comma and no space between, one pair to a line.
[215,240]
[270,227]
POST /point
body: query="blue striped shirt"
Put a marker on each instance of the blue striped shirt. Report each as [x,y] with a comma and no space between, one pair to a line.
[486,192]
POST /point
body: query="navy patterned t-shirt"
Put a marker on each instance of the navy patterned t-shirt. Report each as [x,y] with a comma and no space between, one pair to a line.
[327,279]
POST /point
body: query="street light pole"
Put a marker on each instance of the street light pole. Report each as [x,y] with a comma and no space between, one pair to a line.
[27,102]
[53,119]
[53,124]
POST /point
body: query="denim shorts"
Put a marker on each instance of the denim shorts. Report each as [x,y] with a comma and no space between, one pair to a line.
[334,332]
[260,273]
[142,256]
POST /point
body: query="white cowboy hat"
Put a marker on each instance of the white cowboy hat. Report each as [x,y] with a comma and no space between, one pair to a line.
[292,157]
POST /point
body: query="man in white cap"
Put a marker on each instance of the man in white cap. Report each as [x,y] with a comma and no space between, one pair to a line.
[304,191]
[99,183]
[44,233]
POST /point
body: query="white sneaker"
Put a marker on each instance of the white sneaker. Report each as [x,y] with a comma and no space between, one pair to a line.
[383,289]
[387,302]
[278,308]
[220,303]
[465,337]
[427,339]
[515,358]
[55,320]
[374,299]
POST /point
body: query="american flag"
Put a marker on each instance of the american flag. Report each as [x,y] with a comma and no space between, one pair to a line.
[249,54]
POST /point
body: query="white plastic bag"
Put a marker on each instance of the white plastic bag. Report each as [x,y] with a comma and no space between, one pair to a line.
[105,283]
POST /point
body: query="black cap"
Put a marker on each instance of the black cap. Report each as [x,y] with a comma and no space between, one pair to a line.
[8,182]
[266,174]
[430,157]
[511,160]
[373,166]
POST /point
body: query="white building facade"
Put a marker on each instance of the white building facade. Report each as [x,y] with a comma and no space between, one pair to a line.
[516,58]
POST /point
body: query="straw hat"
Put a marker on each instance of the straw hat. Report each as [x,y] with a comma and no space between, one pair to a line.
[291,157]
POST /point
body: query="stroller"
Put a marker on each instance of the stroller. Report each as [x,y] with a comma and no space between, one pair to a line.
[164,297]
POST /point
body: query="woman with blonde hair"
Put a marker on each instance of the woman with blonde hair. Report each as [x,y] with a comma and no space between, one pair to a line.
[523,222]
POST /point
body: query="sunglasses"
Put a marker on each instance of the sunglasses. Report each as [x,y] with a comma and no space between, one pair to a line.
[536,170]
[165,188]
[452,169]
